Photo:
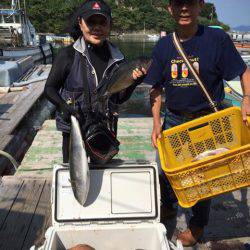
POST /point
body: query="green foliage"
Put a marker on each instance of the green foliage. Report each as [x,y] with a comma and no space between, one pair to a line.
[209,11]
[51,15]
[128,15]
[5,4]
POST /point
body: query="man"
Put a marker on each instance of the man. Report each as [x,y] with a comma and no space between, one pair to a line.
[215,58]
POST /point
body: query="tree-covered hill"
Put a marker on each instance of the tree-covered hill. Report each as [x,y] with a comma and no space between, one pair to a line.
[128,15]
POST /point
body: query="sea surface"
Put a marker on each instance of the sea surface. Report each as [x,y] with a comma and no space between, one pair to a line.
[134,48]
[131,48]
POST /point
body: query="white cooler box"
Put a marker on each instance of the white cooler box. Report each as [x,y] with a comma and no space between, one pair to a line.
[121,212]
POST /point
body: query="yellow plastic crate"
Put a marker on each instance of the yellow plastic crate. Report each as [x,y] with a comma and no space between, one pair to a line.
[213,175]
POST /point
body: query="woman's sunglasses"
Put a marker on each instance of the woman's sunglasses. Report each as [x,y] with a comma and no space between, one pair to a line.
[97,21]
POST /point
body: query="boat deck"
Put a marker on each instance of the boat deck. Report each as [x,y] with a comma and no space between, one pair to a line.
[229,225]
[15,105]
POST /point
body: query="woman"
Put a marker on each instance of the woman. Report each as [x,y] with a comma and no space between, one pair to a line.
[215,58]
[84,67]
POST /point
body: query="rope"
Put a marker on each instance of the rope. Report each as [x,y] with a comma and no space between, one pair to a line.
[11,159]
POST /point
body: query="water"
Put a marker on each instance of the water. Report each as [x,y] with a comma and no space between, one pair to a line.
[132,49]
[234,102]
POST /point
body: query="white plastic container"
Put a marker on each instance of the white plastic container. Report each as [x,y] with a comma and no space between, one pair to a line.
[121,212]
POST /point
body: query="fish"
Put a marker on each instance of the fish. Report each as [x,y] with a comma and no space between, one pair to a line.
[122,78]
[82,247]
[210,153]
[78,163]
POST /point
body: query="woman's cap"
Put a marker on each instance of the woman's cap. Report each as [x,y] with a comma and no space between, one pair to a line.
[95,7]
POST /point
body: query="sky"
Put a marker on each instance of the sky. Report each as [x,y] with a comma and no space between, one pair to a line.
[233,12]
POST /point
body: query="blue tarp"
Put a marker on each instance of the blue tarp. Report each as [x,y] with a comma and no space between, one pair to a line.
[9,12]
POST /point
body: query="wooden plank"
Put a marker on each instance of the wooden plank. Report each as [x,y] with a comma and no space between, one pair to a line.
[16,225]
[9,190]
[5,97]
[18,106]
[41,219]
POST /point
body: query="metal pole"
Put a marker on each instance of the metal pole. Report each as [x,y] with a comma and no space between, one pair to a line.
[13,4]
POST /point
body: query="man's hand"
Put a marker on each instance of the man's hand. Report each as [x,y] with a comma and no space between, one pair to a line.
[155,102]
[137,73]
[245,109]
[245,105]
[156,133]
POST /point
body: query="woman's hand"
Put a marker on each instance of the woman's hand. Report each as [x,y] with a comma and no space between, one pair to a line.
[138,73]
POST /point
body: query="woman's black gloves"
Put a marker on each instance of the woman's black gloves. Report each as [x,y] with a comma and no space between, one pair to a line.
[67,111]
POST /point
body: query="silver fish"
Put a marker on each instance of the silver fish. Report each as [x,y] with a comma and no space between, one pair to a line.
[78,162]
[122,78]
[210,153]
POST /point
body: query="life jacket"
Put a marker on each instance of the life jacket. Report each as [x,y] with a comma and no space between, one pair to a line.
[82,72]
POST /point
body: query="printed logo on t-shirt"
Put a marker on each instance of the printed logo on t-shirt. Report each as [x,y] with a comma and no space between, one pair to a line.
[184,70]
[196,67]
[174,70]
[180,74]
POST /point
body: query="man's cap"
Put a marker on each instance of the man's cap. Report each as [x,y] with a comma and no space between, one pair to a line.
[91,7]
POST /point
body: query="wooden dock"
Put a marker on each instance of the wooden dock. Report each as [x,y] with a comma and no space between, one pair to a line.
[25,215]
[24,212]
[45,152]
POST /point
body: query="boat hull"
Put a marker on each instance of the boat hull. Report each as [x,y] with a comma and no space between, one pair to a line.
[40,54]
